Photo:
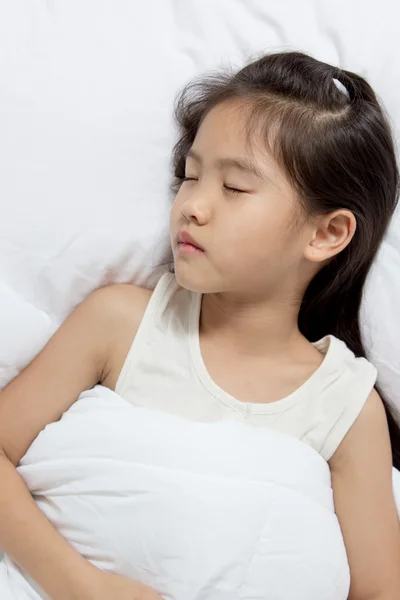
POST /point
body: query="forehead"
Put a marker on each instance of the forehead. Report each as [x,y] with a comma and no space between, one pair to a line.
[225,125]
[228,135]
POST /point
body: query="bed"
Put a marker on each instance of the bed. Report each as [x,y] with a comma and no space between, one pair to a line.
[86,98]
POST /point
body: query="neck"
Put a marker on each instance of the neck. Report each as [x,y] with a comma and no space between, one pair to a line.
[253,327]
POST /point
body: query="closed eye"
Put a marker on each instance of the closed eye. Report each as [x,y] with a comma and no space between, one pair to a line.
[226,187]
[233,190]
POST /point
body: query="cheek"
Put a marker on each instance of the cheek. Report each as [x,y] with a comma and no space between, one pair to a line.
[264,240]
[264,227]
[175,210]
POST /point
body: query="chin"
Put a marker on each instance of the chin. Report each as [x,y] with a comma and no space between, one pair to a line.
[195,279]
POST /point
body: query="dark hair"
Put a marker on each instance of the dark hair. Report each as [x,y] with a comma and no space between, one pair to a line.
[333,141]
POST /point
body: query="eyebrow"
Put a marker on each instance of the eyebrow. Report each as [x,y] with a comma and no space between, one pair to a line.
[237,163]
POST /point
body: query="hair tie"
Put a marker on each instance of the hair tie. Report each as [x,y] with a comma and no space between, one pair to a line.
[341,87]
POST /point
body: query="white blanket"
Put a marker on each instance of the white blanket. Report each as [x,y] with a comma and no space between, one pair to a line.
[198,511]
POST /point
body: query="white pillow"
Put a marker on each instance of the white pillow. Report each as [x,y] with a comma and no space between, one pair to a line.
[19,321]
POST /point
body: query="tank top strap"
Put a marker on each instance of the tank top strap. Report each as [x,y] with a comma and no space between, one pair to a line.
[169,307]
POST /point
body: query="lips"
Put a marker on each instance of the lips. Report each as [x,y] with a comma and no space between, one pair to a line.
[186,240]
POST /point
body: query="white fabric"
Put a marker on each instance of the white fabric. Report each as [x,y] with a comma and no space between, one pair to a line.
[198,511]
[165,370]
[86,95]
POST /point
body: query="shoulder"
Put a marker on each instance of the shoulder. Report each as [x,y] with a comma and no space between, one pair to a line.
[118,310]
[118,302]
[368,433]
[373,412]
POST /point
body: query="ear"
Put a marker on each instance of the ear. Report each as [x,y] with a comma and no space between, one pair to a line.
[332,232]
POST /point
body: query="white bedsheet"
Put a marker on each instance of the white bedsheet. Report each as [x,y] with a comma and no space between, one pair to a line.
[218,511]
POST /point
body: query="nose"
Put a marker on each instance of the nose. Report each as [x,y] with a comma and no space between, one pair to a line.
[196,210]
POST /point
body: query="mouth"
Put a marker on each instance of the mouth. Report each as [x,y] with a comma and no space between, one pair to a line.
[187,244]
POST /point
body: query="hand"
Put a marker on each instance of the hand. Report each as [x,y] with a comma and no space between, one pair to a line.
[108,586]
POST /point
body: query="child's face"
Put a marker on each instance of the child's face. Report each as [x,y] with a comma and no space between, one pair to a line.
[249,239]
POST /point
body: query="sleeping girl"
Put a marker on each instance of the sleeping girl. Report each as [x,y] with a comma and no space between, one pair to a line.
[286,181]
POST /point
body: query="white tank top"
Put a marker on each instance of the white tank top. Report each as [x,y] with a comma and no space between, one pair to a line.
[164,370]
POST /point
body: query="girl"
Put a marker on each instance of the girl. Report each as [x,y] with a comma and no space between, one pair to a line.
[287,181]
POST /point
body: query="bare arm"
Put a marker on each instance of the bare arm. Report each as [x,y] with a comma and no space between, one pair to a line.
[363,490]
[89,348]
